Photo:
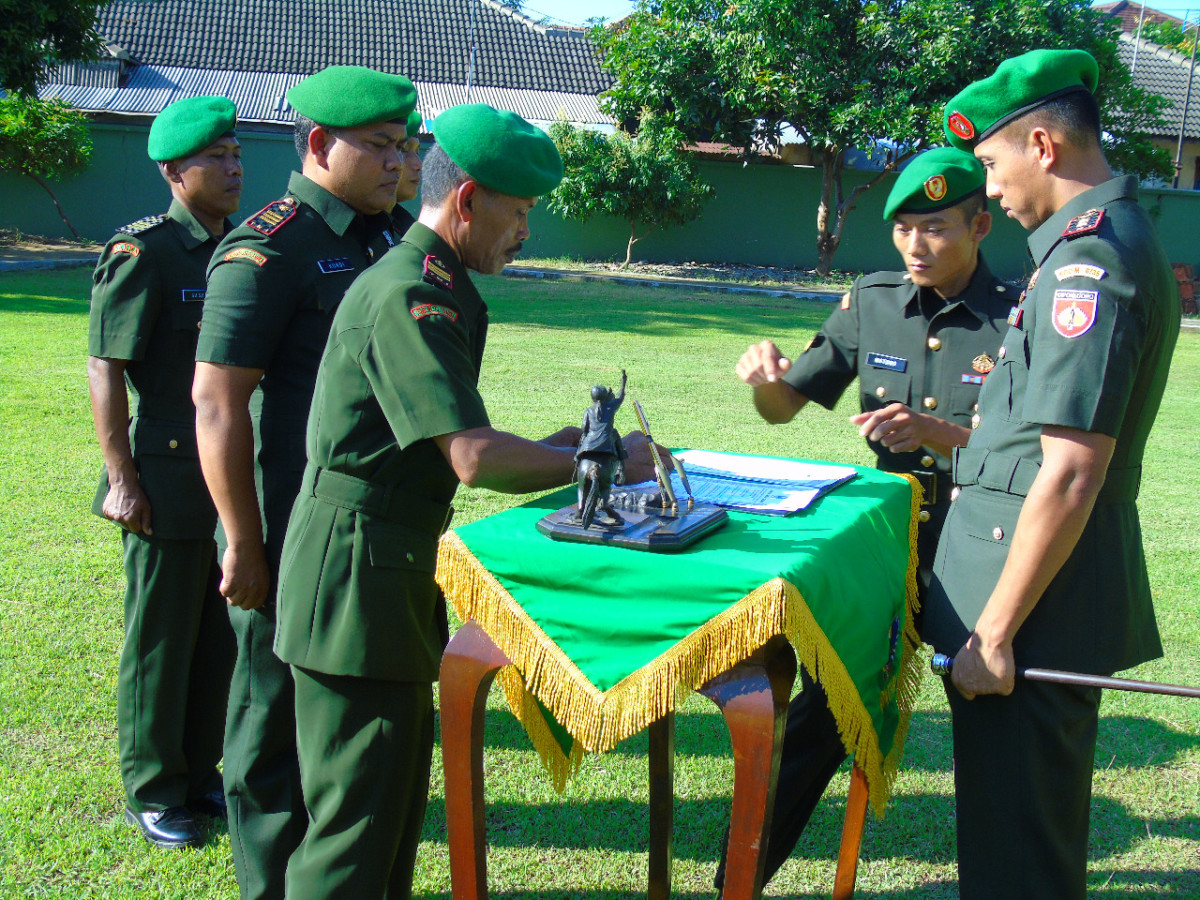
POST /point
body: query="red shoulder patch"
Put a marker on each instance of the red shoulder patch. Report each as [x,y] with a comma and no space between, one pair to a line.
[433,309]
[272,217]
[1088,223]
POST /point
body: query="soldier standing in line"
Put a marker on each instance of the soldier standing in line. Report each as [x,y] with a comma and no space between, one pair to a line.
[1040,562]
[410,176]
[397,423]
[928,336]
[147,297]
[273,287]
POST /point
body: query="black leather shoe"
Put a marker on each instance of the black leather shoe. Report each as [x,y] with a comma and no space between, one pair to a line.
[211,804]
[171,828]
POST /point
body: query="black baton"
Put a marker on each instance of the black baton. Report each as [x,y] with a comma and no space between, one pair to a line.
[942,664]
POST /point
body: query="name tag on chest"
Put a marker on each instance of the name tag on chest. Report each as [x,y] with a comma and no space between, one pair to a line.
[339,264]
[192,295]
[884,361]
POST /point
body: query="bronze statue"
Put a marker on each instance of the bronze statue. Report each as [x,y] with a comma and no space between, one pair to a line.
[599,459]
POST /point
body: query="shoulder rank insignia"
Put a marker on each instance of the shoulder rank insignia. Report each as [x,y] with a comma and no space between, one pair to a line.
[1079,270]
[1074,312]
[436,273]
[983,363]
[846,300]
[245,253]
[125,247]
[1088,223]
[142,225]
[271,217]
[432,309]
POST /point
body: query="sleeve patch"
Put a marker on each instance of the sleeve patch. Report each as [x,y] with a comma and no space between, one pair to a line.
[142,225]
[272,217]
[126,247]
[245,253]
[1088,223]
[1074,312]
[1079,270]
[433,309]
[437,273]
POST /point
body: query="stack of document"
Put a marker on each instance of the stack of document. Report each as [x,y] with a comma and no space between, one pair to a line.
[754,483]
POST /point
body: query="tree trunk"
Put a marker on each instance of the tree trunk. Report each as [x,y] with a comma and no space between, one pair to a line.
[634,237]
[46,188]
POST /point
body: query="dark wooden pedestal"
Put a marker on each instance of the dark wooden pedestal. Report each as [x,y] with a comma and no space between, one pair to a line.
[753,697]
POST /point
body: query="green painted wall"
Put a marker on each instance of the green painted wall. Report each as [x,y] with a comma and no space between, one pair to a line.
[762,215]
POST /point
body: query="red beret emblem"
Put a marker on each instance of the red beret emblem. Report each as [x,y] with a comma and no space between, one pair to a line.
[961,125]
[935,187]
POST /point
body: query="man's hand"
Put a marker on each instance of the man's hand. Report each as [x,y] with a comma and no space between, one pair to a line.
[762,364]
[127,505]
[896,426]
[564,437]
[980,669]
[245,578]
[639,465]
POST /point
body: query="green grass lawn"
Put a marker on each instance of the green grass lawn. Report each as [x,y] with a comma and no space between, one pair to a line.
[61,833]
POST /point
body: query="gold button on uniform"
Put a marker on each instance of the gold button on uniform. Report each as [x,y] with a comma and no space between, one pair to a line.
[954,493]
[881,392]
[935,343]
[929,402]
[927,461]
[998,533]
[923,515]
[173,444]
[975,420]
[1002,352]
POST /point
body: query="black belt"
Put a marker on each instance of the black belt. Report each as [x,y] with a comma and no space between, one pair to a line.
[385,501]
[1015,475]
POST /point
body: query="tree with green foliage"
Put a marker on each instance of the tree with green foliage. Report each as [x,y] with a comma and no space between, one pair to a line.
[1169,35]
[36,35]
[44,140]
[846,74]
[647,180]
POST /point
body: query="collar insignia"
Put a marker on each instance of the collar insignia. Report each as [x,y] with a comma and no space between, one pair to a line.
[1088,223]
[272,217]
[437,273]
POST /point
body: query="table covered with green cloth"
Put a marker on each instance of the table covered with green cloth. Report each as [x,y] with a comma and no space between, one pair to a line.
[605,639]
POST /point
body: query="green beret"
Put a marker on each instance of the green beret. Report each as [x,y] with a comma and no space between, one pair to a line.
[349,96]
[413,126]
[934,180]
[1019,85]
[499,149]
[188,126]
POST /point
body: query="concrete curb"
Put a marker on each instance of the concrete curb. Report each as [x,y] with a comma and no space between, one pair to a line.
[713,287]
[24,265]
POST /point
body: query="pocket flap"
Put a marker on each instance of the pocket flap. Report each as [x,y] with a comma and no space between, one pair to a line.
[396,547]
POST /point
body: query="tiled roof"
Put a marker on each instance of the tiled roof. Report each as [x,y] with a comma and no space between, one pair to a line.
[1131,13]
[427,40]
[259,96]
[1163,72]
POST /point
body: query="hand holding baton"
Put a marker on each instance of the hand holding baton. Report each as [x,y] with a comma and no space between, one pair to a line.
[943,664]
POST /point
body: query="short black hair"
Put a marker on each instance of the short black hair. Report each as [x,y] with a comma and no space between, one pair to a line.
[1077,114]
[304,127]
[972,205]
[439,176]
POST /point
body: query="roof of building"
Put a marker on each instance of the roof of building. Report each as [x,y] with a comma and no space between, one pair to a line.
[1166,73]
[1130,15]
[427,40]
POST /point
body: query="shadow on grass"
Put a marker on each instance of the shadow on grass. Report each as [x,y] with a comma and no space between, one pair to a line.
[27,303]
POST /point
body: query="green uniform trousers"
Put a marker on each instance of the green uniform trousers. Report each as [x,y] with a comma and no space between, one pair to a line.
[262,776]
[173,676]
[1023,780]
[363,832]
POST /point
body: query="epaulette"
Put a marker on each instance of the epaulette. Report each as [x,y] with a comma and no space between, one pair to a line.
[1087,223]
[142,225]
[437,273]
[272,217]
[884,279]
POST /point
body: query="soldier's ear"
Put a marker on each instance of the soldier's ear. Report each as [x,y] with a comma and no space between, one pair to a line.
[170,171]
[319,143]
[464,199]
[982,226]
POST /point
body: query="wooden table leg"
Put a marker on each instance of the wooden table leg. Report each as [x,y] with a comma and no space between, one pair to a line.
[852,830]
[469,664]
[753,696]
[662,805]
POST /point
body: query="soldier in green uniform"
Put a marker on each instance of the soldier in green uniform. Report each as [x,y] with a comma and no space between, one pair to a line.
[273,286]
[147,297]
[927,337]
[1040,561]
[410,175]
[397,422]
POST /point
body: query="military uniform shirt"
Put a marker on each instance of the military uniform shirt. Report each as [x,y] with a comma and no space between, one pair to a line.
[148,295]
[357,595]
[1089,348]
[934,364]
[273,286]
